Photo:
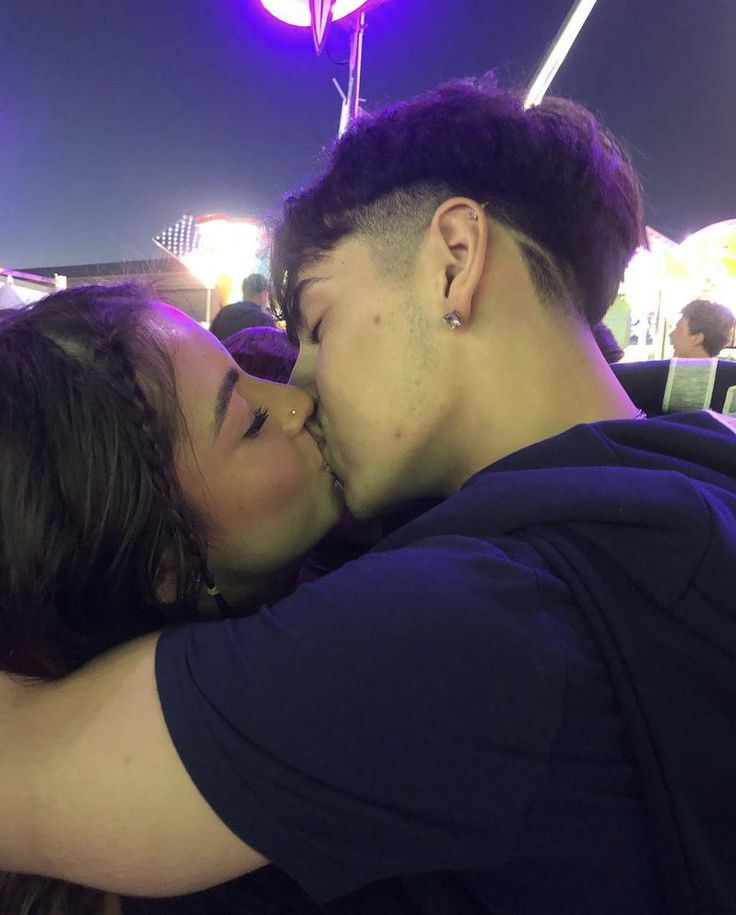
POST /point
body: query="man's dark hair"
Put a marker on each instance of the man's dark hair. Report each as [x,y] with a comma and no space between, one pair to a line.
[551,174]
[715,322]
[255,284]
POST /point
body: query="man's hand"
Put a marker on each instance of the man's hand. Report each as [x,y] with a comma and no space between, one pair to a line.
[93,791]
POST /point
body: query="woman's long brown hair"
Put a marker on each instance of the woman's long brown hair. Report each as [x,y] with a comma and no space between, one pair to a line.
[89,504]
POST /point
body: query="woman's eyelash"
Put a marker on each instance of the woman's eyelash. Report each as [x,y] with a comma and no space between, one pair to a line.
[259,418]
[314,335]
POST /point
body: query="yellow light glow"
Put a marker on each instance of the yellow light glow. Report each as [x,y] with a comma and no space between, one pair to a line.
[702,266]
[226,252]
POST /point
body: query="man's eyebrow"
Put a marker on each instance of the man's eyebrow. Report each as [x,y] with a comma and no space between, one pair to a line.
[222,401]
[296,318]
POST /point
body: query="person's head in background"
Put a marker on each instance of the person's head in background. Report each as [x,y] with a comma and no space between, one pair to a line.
[253,311]
[255,289]
[139,463]
[443,276]
[702,331]
[265,352]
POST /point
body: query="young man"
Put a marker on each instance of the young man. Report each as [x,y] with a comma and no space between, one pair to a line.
[521,701]
[703,330]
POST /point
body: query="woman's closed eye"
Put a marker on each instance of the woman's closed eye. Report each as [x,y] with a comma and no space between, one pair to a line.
[259,418]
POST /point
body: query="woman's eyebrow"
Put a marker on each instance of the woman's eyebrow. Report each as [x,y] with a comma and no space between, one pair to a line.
[222,401]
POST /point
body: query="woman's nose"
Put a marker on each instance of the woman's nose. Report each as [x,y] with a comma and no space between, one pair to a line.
[288,406]
[296,408]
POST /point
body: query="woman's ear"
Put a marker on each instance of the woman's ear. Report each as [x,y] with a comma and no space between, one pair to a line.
[165,588]
[461,239]
[165,579]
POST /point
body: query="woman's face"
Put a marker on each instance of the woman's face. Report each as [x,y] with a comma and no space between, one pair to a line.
[250,464]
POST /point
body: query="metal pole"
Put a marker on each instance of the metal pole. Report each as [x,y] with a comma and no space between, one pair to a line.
[351,101]
[558,51]
[661,325]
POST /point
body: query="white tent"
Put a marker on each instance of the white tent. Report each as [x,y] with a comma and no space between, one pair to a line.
[18,289]
[9,297]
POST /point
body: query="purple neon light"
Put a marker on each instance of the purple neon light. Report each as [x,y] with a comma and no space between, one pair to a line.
[296,12]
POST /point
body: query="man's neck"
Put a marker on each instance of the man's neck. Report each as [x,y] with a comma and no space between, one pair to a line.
[528,394]
[696,352]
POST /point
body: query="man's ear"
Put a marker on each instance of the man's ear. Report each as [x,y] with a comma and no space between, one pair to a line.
[460,236]
[697,338]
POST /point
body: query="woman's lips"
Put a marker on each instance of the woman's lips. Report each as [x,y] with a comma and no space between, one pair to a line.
[320,443]
[328,467]
[325,463]
[336,481]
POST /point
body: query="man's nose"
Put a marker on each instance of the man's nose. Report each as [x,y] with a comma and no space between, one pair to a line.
[302,375]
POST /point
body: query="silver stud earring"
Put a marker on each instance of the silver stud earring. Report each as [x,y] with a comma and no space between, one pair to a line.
[473,215]
[453,320]
[292,412]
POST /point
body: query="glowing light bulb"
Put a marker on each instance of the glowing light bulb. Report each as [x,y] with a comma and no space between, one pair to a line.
[297,12]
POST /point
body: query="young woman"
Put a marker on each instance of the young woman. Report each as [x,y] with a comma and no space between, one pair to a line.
[146,481]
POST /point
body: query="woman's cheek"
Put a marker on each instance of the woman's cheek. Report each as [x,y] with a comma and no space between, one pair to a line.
[290,482]
[283,480]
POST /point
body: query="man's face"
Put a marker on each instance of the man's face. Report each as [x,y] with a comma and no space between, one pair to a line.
[368,354]
[685,344]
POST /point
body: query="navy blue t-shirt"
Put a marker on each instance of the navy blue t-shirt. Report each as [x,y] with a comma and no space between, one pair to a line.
[440,711]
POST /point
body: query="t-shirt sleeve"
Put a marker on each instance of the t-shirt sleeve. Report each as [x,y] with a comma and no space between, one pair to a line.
[392,718]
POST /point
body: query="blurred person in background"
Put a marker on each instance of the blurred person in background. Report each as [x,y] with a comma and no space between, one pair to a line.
[703,330]
[253,311]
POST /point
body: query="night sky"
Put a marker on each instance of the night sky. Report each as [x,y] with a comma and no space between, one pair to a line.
[117,117]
